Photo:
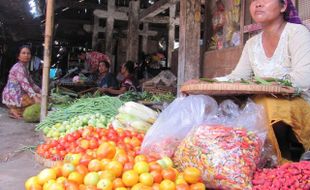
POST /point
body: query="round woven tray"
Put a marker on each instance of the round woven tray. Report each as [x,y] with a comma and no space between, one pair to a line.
[46,162]
[234,89]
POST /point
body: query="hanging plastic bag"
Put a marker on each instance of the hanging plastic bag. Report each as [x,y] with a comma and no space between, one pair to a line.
[175,122]
[227,149]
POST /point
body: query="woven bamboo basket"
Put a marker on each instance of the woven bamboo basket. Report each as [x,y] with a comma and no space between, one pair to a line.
[235,89]
[46,162]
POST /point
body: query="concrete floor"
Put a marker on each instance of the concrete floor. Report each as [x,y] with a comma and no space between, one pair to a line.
[16,166]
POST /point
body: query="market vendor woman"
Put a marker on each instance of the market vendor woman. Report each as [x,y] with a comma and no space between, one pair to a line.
[281,51]
[128,83]
[106,79]
[20,90]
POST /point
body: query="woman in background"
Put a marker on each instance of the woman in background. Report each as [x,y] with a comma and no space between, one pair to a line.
[129,82]
[20,90]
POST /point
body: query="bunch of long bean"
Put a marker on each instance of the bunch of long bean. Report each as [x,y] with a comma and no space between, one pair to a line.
[105,105]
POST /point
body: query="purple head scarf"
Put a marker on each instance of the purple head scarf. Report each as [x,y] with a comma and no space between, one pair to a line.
[291,14]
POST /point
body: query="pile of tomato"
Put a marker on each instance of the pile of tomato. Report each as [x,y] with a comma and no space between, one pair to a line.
[87,140]
[114,169]
[106,159]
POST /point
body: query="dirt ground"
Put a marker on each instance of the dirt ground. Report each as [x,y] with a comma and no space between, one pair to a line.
[16,165]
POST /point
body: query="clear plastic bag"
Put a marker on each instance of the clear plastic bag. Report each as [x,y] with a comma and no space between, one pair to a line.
[227,148]
[175,122]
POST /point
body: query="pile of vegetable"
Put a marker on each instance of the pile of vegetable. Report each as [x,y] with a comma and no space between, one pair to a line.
[287,176]
[75,123]
[134,116]
[104,105]
[147,97]
[87,140]
[99,158]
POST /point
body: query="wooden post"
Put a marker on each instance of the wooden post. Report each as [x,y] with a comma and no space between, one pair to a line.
[95,32]
[133,31]
[49,24]
[171,34]
[109,33]
[145,38]
[189,51]
[242,19]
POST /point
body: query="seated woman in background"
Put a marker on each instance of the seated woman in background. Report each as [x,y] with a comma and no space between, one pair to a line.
[105,78]
[20,90]
[129,82]
[281,51]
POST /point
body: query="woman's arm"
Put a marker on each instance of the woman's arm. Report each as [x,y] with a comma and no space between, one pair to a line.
[299,47]
[22,79]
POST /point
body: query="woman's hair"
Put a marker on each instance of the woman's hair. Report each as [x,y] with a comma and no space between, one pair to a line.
[106,64]
[290,14]
[22,47]
[130,66]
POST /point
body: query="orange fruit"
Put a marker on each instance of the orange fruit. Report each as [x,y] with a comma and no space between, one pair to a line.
[66,169]
[169,174]
[46,175]
[191,175]
[155,186]
[167,185]
[115,167]
[81,169]
[106,150]
[156,176]
[155,166]
[76,177]
[146,179]
[197,186]
[105,184]
[130,178]
[32,181]
[118,183]
[94,165]
[141,167]
[106,174]
[182,187]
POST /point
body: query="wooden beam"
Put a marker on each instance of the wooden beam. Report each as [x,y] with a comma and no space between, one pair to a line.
[48,39]
[189,51]
[109,32]
[95,32]
[157,8]
[133,28]
[171,33]
[76,4]
[119,15]
[145,38]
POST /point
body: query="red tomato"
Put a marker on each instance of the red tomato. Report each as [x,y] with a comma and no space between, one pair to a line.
[157,176]
[169,174]
[93,143]
[85,159]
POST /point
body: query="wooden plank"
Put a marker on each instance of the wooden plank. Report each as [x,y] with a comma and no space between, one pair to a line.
[189,51]
[105,14]
[48,41]
[171,33]
[133,28]
[157,8]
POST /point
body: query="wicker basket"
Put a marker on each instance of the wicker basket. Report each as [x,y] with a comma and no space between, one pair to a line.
[235,89]
[159,89]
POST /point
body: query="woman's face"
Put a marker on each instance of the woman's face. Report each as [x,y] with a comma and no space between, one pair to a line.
[102,68]
[123,69]
[24,55]
[266,11]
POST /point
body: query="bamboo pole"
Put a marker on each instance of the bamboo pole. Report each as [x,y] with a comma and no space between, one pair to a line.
[47,55]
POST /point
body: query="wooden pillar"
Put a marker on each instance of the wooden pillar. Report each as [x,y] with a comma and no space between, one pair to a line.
[133,31]
[109,32]
[189,51]
[145,37]
[171,33]
[95,32]
[49,25]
